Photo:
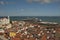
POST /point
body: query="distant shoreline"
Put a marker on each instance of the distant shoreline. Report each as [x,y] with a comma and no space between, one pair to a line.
[44,18]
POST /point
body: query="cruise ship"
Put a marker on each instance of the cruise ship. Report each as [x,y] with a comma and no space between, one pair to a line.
[49,23]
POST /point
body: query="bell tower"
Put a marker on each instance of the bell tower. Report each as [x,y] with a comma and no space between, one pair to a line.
[8,19]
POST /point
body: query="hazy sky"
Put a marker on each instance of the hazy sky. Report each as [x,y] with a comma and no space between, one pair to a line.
[29,7]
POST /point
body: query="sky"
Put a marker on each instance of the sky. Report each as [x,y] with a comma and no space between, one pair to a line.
[29,7]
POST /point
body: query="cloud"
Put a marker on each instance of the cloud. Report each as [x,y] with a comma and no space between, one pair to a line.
[30,1]
[22,9]
[36,0]
[3,2]
[46,1]
[43,1]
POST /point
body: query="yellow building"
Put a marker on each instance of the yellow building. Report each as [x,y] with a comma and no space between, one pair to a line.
[12,34]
